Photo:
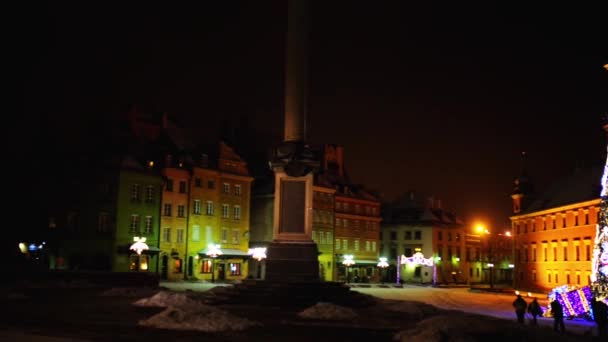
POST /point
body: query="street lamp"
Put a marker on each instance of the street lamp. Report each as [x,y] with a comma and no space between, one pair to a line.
[348,262]
[139,245]
[383,264]
[258,253]
[213,251]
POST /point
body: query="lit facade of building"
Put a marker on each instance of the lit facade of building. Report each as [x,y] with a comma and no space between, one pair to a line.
[173,219]
[414,224]
[220,197]
[554,233]
[323,230]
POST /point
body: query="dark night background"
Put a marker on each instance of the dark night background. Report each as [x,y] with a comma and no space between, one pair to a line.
[441,98]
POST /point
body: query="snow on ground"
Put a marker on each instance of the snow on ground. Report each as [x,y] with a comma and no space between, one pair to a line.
[203,318]
[186,311]
[328,311]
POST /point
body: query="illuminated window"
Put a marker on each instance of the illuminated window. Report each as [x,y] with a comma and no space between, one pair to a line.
[587,242]
[148,225]
[226,188]
[357,245]
[314,236]
[179,238]
[330,237]
[337,244]
[197,207]
[545,253]
[149,193]
[367,245]
[177,265]
[237,212]
[135,192]
[578,252]
[224,235]
[322,237]
[556,278]
[134,228]
[345,244]
[167,209]
[373,246]
[235,236]
[206,266]
[196,233]
[209,209]
[235,269]
[182,187]
[225,211]
[144,261]
[167,234]
[565,253]
[237,190]
[181,210]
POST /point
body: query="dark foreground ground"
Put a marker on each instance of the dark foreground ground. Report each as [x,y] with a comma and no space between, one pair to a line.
[83,314]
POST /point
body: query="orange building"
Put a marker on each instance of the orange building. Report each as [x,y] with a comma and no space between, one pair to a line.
[554,233]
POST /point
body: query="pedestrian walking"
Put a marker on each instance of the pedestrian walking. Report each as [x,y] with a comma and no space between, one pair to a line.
[535,310]
[558,316]
[600,315]
[520,306]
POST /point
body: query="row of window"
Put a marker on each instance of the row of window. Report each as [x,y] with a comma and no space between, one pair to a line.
[225,236]
[357,208]
[198,182]
[342,244]
[136,222]
[148,193]
[567,254]
[210,209]
[234,268]
[355,224]
[553,277]
[559,220]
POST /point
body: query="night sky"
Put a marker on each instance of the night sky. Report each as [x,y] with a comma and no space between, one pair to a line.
[433,97]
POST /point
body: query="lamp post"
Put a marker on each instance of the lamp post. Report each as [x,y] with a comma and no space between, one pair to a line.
[213,251]
[139,245]
[348,262]
[383,264]
[258,253]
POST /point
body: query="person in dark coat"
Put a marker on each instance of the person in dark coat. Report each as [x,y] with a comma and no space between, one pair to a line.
[558,316]
[600,315]
[535,310]
[520,306]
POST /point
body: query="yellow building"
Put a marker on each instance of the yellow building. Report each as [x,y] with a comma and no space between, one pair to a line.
[219,216]
[323,230]
[554,233]
[173,219]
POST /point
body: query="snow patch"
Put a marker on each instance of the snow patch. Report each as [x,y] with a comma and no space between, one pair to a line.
[328,311]
[203,318]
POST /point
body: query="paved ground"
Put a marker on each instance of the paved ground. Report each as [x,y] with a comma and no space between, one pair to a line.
[67,314]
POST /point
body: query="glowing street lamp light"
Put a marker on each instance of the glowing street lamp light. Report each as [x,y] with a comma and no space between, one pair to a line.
[213,251]
[139,245]
[383,264]
[348,262]
[258,253]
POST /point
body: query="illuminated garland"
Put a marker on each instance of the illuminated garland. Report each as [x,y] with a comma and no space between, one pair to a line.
[599,266]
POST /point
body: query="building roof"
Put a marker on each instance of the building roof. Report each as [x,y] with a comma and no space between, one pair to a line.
[582,185]
[413,208]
